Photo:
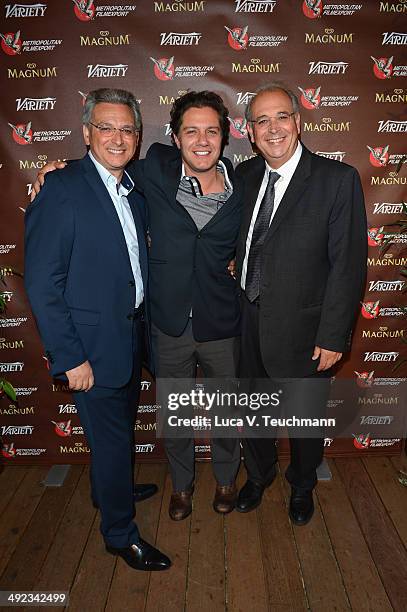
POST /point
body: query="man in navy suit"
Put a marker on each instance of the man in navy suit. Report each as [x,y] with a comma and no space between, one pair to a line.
[86,278]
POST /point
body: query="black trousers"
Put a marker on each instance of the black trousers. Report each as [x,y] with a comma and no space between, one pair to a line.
[260,454]
[108,417]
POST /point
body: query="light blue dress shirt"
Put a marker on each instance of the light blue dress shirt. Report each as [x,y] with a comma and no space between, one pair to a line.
[118,193]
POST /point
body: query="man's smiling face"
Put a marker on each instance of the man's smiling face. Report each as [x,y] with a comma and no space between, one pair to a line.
[113,152]
[277,139]
[199,140]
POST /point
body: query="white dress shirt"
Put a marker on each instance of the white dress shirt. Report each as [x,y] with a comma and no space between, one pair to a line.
[286,172]
[118,193]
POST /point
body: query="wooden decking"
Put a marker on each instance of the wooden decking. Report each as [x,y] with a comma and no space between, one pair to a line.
[351,556]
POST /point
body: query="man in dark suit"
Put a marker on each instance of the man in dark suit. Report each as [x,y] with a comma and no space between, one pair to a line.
[86,276]
[301,266]
[194,209]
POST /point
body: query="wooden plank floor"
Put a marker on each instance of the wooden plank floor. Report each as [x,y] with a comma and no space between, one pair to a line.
[351,556]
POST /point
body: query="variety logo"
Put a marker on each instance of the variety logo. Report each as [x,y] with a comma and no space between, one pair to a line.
[311,99]
[238,127]
[35,104]
[386,285]
[376,420]
[22,133]
[394,38]
[11,42]
[336,155]
[17,430]
[383,68]
[255,6]
[7,295]
[177,39]
[145,385]
[144,448]
[392,126]
[327,67]
[106,70]
[67,409]
[25,10]
[380,356]
[388,208]
[244,97]
[16,366]
[84,9]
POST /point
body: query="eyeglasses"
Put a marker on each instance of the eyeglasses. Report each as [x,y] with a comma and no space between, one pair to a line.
[107,130]
[281,119]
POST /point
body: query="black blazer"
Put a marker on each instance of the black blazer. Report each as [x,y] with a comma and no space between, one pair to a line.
[314,262]
[187,267]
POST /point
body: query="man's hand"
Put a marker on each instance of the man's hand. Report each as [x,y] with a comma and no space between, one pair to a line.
[326,358]
[49,167]
[232,267]
[81,377]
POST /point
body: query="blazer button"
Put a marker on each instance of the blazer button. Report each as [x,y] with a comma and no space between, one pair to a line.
[130,317]
[132,283]
[198,235]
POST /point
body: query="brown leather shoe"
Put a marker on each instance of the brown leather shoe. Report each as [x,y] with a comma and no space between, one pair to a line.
[180,504]
[225,498]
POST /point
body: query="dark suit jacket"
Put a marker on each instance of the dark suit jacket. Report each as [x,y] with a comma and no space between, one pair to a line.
[188,268]
[314,262]
[78,274]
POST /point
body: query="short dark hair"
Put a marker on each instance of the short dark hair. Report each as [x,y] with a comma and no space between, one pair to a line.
[200,99]
[111,96]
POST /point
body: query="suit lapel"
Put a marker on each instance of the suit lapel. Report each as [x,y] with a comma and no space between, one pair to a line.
[97,186]
[133,199]
[171,181]
[293,192]
[252,187]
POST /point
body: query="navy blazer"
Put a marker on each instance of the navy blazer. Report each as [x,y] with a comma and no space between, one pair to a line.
[188,267]
[78,275]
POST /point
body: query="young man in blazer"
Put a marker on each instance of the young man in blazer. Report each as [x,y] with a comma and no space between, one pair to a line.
[301,265]
[86,277]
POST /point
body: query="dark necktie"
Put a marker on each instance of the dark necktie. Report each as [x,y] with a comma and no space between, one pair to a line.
[260,230]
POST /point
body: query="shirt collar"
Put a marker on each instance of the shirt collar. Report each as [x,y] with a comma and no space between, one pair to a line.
[219,166]
[124,187]
[288,168]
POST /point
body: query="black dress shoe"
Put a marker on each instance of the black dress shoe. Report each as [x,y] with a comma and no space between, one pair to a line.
[250,496]
[301,506]
[142,556]
[141,492]
[144,491]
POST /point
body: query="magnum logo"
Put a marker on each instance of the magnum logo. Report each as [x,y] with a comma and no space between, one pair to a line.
[11,344]
[327,125]
[398,96]
[104,40]
[179,7]
[329,38]
[32,72]
[256,66]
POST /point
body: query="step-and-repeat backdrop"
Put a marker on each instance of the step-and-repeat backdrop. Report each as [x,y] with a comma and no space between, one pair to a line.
[347,63]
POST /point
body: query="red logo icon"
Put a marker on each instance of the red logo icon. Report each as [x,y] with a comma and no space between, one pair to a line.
[375,236]
[22,133]
[310,98]
[238,127]
[382,67]
[238,38]
[362,441]
[11,43]
[164,68]
[364,379]
[8,450]
[370,310]
[62,428]
[84,9]
[379,156]
[312,8]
